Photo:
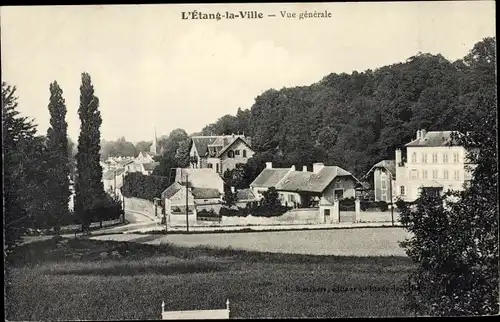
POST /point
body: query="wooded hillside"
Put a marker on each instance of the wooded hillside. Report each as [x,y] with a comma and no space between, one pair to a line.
[356,120]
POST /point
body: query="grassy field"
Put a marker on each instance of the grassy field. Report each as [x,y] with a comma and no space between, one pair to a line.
[73,280]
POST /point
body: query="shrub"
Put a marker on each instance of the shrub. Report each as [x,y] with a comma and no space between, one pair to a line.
[137,185]
[382,205]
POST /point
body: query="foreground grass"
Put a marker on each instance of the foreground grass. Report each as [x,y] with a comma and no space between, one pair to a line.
[96,280]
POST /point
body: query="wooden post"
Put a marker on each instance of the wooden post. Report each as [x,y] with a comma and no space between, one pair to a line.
[187,205]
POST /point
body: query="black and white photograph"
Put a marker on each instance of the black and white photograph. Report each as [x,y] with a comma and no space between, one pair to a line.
[250,160]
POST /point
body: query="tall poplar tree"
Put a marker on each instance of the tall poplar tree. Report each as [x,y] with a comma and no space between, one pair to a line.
[57,153]
[89,188]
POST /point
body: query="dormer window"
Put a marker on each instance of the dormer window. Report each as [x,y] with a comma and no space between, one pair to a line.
[230,154]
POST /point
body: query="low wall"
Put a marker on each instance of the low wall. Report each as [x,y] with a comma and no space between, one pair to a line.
[347,216]
[291,217]
[378,216]
[141,205]
[72,228]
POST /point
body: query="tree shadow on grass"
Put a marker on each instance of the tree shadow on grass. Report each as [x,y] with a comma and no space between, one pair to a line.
[128,269]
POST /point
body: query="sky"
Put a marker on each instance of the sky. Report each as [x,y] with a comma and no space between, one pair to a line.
[151,69]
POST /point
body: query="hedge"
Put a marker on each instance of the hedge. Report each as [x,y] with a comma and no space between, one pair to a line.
[138,185]
[259,211]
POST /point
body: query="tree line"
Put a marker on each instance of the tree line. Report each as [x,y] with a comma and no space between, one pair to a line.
[38,169]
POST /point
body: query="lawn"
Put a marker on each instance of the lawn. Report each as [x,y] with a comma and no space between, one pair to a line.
[73,280]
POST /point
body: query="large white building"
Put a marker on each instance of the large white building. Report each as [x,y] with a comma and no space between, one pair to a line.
[433,159]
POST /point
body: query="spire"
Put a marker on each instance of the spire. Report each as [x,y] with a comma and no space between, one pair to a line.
[154,148]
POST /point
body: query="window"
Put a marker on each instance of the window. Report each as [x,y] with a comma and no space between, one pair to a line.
[217,167]
[402,190]
[339,193]
[424,157]
[414,157]
[414,174]
[291,198]
[456,175]
[455,157]
[434,174]
[445,157]
[230,154]
[434,158]
[424,174]
[384,184]
[237,152]
[210,166]
[244,153]
[445,174]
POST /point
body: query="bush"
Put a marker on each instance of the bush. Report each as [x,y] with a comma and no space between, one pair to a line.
[382,205]
[207,213]
[258,211]
[137,185]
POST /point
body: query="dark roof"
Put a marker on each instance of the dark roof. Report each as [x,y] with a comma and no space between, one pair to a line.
[389,165]
[150,166]
[223,142]
[205,193]
[171,190]
[238,138]
[434,138]
[245,194]
[269,177]
[311,182]
[201,143]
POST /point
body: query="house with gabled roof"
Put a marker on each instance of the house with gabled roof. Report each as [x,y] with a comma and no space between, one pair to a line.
[204,191]
[305,188]
[383,174]
[432,159]
[219,153]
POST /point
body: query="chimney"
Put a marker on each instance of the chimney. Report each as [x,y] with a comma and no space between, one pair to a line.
[398,156]
[232,189]
[269,165]
[423,133]
[317,167]
[292,168]
[418,134]
[304,168]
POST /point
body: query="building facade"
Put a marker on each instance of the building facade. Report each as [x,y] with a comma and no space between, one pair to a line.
[433,159]
[219,153]
[384,180]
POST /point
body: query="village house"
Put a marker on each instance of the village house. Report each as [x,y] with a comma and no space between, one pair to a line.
[304,188]
[113,181]
[245,198]
[219,153]
[433,159]
[383,175]
[143,163]
[204,191]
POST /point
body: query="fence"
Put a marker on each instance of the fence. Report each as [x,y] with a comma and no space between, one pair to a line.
[221,314]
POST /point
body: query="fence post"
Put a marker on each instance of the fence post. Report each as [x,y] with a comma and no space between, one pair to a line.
[357,208]
[336,210]
[227,307]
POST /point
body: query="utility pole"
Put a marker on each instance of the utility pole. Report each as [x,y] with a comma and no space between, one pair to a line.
[187,206]
[114,186]
[390,192]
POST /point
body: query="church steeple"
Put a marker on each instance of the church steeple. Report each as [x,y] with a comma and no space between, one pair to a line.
[154,148]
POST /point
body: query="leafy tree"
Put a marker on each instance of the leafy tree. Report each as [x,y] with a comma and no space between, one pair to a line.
[57,148]
[142,146]
[89,188]
[236,177]
[182,153]
[230,197]
[18,145]
[271,197]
